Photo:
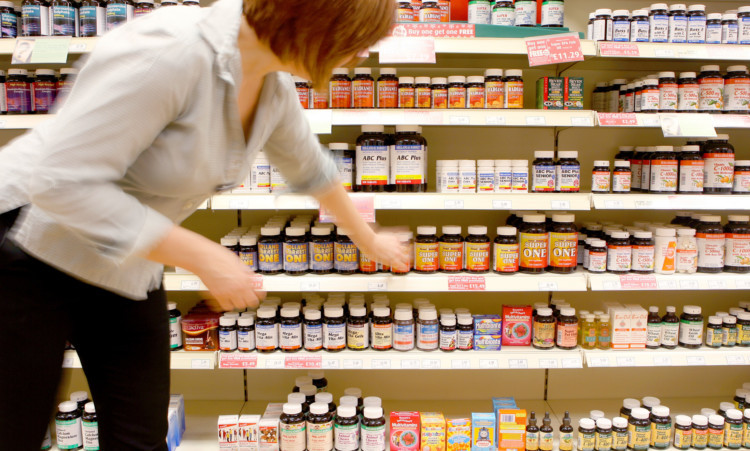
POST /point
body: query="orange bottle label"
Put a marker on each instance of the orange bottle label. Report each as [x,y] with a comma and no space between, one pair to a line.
[320,100]
[405,15]
[363,93]
[669,256]
[388,94]
[514,96]
[478,256]
[424,98]
[341,94]
[440,98]
[506,257]
[304,97]
[494,92]
[475,97]
[366,265]
[406,97]
[533,250]
[426,257]
[563,250]
[445,10]
[456,97]
[451,256]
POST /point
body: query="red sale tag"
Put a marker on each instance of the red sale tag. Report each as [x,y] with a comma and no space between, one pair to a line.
[617,119]
[619,49]
[365,205]
[637,282]
[466,283]
[407,50]
[434,30]
[257,282]
[303,361]
[561,48]
[238,361]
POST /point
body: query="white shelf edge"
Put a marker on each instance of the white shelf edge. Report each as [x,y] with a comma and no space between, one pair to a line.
[663,282]
[734,356]
[635,201]
[180,360]
[671,51]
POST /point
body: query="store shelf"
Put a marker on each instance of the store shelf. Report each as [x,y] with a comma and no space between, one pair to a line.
[77,45]
[665,357]
[420,201]
[411,283]
[650,282]
[201,423]
[180,360]
[635,201]
[508,358]
[645,120]
[669,51]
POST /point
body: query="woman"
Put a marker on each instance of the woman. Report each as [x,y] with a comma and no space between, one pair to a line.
[168,110]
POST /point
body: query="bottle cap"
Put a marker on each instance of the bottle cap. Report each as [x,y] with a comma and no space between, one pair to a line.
[630,403]
[427,314]
[270,231]
[373,129]
[603,12]
[715,320]
[372,401]
[700,420]
[563,219]
[362,71]
[228,321]
[475,79]
[406,80]
[292,408]
[507,231]
[601,164]
[301,381]
[692,310]
[732,414]
[568,311]
[534,219]
[346,411]
[318,408]
[381,311]
[439,81]
[333,311]
[422,80]
[324,397]
[426,230]
[595,414]
[493,73]
[477,230]
[545,311]
[729,320]
[312,314]
[353,391]
[659,6]
[660,411]
[620,234]
[714,16]
[514,73]
[621,12]
[67,406]
[716,420]
[407,128]
[639,413]
[619,422]
[89,407]
[544,154]
[387,71]
[666,75]
[373,412]
[569,154]
[403,315]
[710,67]
[650,401]
[348,401]
[296,398]
[456,79]
[603,423]
[682,420]
[521,163]
[451,230]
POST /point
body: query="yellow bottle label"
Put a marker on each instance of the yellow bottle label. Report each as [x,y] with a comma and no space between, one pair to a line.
[746,435]
[639,437]
[426,257]
[603,441]
[700,438]
[661,435]
[732,435]
[566,441]
[546,441]
[586,441]
[620,441]
[682,439]
[715,438]
[532,441]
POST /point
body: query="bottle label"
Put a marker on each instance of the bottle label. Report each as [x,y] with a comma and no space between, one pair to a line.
[321,254]
[290,336]
[468,180]
[553,13]
[665,263]
[403,15]
[682,438]
[346,437]
[486,180]
[494,92]
[388,89]
[456,97]
[118,14]
[266,337]
[9,24]
[506,257]
[372,438]
[269,257]
[525,12]
[600,181]
[504,16]
[465,340]
[320,436]
[292,436]
[403,337]
[688,97]
[366,265]
[711,94]
[642,258]
[636,167]
[313,337]
[621,181]
[68,433]
[408,164]
[669,334]
[713,33]
[744,30]
[640,30]
[697,30]
[175,332]
[340,93]
[661,435]
[732,435]
[741,183]
[475,97]
[729,33]
[320,100]
[260,177]
[621,31]
[63,20]
[603,441]
[691,332]
[406,97]
[334,336]
[718,170]
[737,252]
[546,441]
[668,96]
[35,20]
[563,250]
[619,258]
[715,438]
[543,180]
[18,95]
[427,336]
[566,441]
[597,262]
[736,94]
[568,178]
[691,176]
[430,15]
[586,441]
[477,257]
[659,27]
[440,98]
[424,98]
[245,340]
[544,335]
[227,340]
[249,259]
[382,336]
[639,437]
[520,181]
[620,441]
[278,182]
[448,340]
[90,430]
[678,29]
[295,257]
[532,441]
[700,438]
[687,260]
[345,166]
[650,99]
[533,250]
[426,257]
[451,256]
[514,90]
[653,335]
[729,336]
[347,257]
[567,335]
[710,250]
[743,335]
[357,336]
[714,337]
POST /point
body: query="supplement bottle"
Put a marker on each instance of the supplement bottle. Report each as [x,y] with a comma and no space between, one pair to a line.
[343,156]
[665,246]
[144,7]
[588,331]
[532,433]
[714,332]
[711,244]
[290,330]
[295,251]
[475,92]
[35,18]
[716,432]
[526,13]
[319,428]
[44,90]
[628,404]
[603,25]
[743,22]
[373,430]
[653,328]
[334,328]
[346,254]
[405,12]
[504,13]
[506,251]
[668,92]
[372,160]
[691,168]
[406,93]
[639,430]
[619,253]
[404,331]
[346,429]
[448,334]
[718,155]
[659,22]
[563,244]
[340,89]
[678,23]
[567,329]
[736,90]
[599,96]
[313,330]
[519,176]
[544,329]
[427,330]
[546,434]
[620,27]
[553,14]
[320,251]
[227,334]
[451,249]
[426,250]
[439,92]
[270,251]
[713,29]
[619,434]
[661,428]
[700,432]
[408,160]
[477,247]
[543,178]
[387,86]
[68,426]
[18,92]
[382,328]
[363,88]
[567,172]
[711,88]
[430,12]
[467,176]
[729,331]
[246,334]
[741,183]
[457,91]
[566,434]
[691,327]
[533,244]
[357,329]
[670,329]
[63,16]
[465,332]
[688,93]
[737,253]
[696,24]
[266,330]
[423,92]
[729,29]
[514,86]
[604,339]
[650,96]
[687,252]
[249,252]
[292,429]
[603,435]
[621,177]
[743,334]
[494,86]
[600,177]
[90,428]
[9,20]
[683,432]
[175,327]
[119,12]
[733,430]
[640,27]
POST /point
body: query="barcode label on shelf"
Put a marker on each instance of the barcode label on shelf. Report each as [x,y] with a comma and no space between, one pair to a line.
[68,362]
[668,284]
[190,285]
[625,361]
[274,363]
[571,363]
[610,285]
[303,362]
[663,53]
[77,47]
[381,364]
[391,204]
[410,364]
[454,205]
[536,120]
[458,120]
[502,204]
[239,204]
[650,120]
[548,363]
[430,364]
[377,286]
[495,120]
[582,121]
[689,284]
[717,284]
[547,286]
[735,359]
[489,364]
[662,360]
[559,205]
[518,364]
[460,364]
[598,361]
[742,284]
[696,360]
[353,364]
[612,204]
[331,364]
[309,285]
[200,364]
[643,204]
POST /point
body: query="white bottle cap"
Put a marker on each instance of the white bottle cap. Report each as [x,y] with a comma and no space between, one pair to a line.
[324,397]
[373,412]
[372,401]
[683,420]
[406,80]
[710,68]
[507,231]
[734,414]
[348,401]
[292,408]
[456,79]
[387,71]
[439,81]
[514,73]
[477,230]
[701,420]
[563,218]
[475,79]
[426,230]
[341,71]
[622,164]
[346,411]
[603,12]
[546,154]
[570,154]
[738,218]
[639,413]
[228,321]
[620,422]
[493,73]
[451,230]
[568,311]
[89,407]
[603,423]
[422,80]
[692,310]
[296,398]
[621,12]
[714,16]
[353,391]
[716,420]
[318,408]
[67,406]
[362,71]
[660,411]
[312,314]
[373,129]
[78,396]
[601,163]
[708,218]
[534,219]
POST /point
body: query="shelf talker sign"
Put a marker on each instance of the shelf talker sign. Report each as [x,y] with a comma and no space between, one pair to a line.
[556,49]
[41,50]
[365,205]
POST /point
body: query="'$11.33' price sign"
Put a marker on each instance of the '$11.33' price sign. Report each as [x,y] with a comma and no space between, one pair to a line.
[556,49]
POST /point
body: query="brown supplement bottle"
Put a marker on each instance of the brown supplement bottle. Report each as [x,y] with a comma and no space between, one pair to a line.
[700,432]
[340,89]
[716,432]
[533,244]
[372,160]
[718,156]
[457,91]
[387,88]
[691,327]
[543,336]
[639,430]
[409,150]
[406,93]
[426,250]
[382,329]
[372,434]
[451,250]
[363,88]
[711,244]
[563,247]
[737,244]
[439,92]
[683,432]
[619,253]
[622,177]
[494,89]
[319,428]
[567,329]
[357,329]
[478,250]
[423,92]
[661,428]
[619,434]
[290,330]
[346,429]
[292,429]
[505,251]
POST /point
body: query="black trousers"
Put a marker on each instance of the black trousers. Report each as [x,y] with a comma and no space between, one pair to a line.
[123,346]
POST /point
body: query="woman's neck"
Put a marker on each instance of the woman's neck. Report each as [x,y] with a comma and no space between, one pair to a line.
[258,60]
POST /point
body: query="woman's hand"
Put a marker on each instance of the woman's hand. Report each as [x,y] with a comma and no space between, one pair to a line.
[230,282]
[385,247]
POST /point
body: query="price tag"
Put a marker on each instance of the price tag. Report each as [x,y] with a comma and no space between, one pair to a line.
[331,364]
[643,204]
[257,282]
[625,361]
[598,361]
[547,286]
[406,50]
[717,284]
[663,53]
[410,364]
[467,283]
[536,120]
[687,126]
[696,360]
[377,286]
[495,120]
[617,119]
[390,204]
[190,285]
[735,360]
[239,204]
[662,360]
[518,364]
[381,364]
[668,284]
[547,363]
[353,364]
[742,284]
[430,364]
[689,284]
[460,364]
[502,204]
[311,204]
[41,50]
[68,362]
[572,363]
[237,361]
[582,121]
[2,125]
[638,282]
[454,205]
[309,285]
[200,364]
[555,49]
[559,204]
[619,49]
[489,364]
[613,204]
[459,120]
[610,285]
[77,47]
[275,364]
[303,362]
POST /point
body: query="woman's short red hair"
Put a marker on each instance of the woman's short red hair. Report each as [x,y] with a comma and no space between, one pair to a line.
[319,34]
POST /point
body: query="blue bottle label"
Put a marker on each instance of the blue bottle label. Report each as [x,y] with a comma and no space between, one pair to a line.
[9,24]
[44,96]
[91,18]
[63,21]
[117,14]
[347,257]
[34,20]
[269,257]
[295,257]
[250,259]
[321,256]
[18,97]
